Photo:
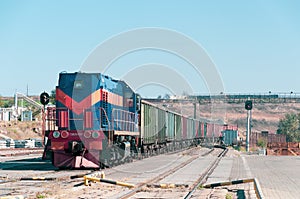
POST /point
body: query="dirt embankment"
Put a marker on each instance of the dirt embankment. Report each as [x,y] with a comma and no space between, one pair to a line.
[21,130]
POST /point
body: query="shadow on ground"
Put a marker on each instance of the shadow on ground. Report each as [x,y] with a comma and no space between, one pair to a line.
[28,164]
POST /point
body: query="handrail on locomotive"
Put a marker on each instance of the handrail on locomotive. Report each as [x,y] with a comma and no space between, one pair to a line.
[123,119]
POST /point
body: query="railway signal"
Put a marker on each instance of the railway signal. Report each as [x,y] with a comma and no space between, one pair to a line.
[44,98]
[248,105]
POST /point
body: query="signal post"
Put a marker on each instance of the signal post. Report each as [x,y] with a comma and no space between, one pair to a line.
[248,107]
[44,99]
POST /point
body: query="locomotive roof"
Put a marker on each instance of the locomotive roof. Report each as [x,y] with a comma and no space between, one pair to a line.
[109,78]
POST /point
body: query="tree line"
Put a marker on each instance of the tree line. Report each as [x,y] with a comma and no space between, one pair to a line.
[290,126]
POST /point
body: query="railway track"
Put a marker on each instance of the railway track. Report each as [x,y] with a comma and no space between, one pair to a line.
[140,173]
[22,166]
[157,179]
[5,152]
[191,187]
[202,179]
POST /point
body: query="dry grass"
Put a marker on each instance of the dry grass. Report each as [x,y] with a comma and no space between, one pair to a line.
[21,130]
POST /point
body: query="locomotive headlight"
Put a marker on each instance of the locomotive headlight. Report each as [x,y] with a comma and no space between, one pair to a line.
[87,134]
[95,134]
[56,134]
[64,134]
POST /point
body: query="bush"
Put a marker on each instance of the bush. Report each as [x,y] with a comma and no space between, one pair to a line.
[261,142]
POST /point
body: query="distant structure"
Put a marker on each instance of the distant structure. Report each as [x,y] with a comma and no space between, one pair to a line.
[6,114]
[269,97]
[15,112]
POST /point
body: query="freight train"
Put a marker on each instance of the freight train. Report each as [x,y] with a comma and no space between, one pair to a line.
[100,122]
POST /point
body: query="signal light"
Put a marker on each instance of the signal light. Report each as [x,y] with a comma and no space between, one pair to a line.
[248,105]
[44,98]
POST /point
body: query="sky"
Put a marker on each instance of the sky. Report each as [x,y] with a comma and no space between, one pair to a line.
[254,45]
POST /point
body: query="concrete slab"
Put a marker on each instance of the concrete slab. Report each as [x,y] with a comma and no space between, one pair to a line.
[279,176]
[190,173]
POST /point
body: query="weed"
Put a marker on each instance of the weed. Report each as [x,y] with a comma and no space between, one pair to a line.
[228,196]
[41,195]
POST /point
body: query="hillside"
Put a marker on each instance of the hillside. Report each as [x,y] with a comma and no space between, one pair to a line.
[265,116]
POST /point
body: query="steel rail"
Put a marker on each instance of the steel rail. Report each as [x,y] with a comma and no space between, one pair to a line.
[140,186]
[206,174]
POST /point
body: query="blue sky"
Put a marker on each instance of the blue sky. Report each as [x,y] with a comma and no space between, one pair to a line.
[254,44]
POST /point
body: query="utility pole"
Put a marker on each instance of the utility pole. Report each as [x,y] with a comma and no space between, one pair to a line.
[195,117]
[248,130]
[195,110]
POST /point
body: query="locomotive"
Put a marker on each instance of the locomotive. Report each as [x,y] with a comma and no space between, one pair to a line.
[100,122]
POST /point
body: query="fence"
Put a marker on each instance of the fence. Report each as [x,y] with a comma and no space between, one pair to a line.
[7,143]
[270,138]
[30,143]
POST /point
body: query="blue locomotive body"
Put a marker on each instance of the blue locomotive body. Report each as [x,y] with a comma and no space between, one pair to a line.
[94,101]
